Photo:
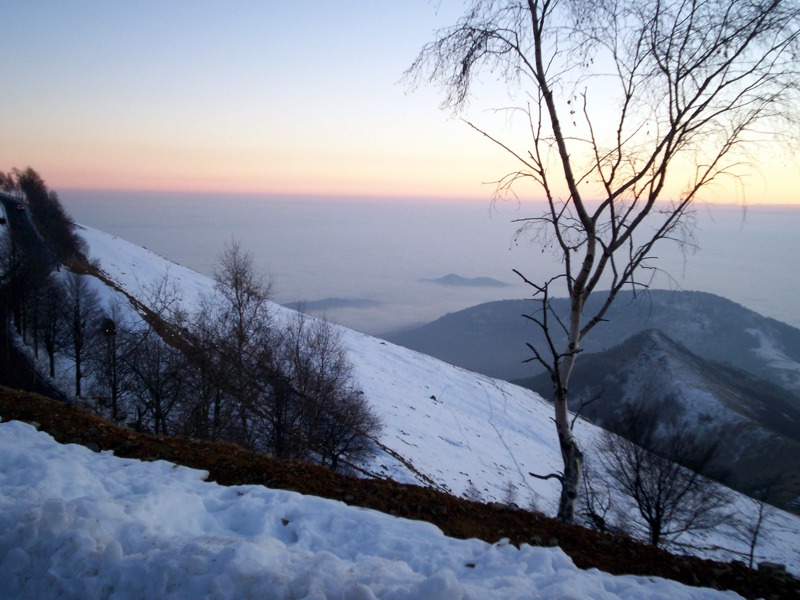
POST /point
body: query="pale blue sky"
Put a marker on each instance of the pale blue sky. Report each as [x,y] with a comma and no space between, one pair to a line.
[288,96]
[281,96]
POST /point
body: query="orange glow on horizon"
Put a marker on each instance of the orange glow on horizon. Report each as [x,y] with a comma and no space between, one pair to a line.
[422,178]
[476,194]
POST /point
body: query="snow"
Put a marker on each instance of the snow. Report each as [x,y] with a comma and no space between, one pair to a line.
[444,426]
[139,271]
[769,350]
[79,524]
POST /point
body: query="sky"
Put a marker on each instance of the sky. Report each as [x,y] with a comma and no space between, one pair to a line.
[301,97]
[285,97]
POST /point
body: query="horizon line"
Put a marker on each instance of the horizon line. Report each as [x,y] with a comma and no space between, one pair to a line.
[385,197]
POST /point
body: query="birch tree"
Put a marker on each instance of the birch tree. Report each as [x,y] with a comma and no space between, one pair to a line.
[632,109]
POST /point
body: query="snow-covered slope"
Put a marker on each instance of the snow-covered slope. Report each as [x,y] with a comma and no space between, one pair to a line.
[76,524]
[444,426]
[456,430]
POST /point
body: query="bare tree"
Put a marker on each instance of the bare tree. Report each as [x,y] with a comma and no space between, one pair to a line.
[595,502]
[335,420]
[155,363]
[242,322]
[50,320]
[82,316]
[209,415]
[309,408]
[116,341]
[752,528]
[660,471]
[284,388]
[310,356]
[752,531]
[344,436]
[157,381]
[633,108]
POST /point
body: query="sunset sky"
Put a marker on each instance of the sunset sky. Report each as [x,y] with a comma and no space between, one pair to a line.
[301,96]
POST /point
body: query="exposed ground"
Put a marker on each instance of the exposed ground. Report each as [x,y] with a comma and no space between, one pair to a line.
[228,464]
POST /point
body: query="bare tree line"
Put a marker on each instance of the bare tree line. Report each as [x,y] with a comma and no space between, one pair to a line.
[229,370]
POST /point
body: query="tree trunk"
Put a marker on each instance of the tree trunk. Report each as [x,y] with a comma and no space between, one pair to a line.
[655,533]
[51,358]
[217,420]
[570,452]
[572,458]
[78,375]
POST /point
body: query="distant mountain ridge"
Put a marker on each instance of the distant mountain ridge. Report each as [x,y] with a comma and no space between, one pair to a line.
[491,338]
[454,280]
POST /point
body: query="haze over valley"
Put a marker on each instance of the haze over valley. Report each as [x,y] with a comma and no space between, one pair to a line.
[375,254]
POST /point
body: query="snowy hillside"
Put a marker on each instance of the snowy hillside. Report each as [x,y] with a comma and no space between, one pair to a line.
[444,426]
[78,524]
[453,427]
[756,427]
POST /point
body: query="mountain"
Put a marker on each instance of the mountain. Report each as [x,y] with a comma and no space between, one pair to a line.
[445,428]
[757,429]
[698,355]
[491,338]
[454,280]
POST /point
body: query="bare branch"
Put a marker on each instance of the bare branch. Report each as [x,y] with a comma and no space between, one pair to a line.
[558,476]
[584,404]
